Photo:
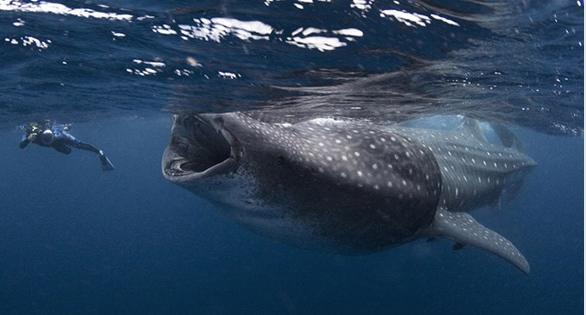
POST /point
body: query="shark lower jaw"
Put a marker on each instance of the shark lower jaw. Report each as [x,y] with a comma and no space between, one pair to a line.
[199,148]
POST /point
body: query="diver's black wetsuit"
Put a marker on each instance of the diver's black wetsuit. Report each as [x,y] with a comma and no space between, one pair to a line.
[62,141]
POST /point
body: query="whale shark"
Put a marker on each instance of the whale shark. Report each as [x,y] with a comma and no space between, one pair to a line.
[349,186]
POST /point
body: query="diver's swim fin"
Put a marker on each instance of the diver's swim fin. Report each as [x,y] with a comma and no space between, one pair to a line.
[105,161]
[462,228]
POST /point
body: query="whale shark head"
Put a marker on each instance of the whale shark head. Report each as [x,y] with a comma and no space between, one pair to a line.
[198,149]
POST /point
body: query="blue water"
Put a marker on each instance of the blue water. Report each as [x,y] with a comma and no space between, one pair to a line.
[76,240]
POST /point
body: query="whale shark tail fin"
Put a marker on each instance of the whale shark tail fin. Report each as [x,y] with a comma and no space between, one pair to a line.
[462,228]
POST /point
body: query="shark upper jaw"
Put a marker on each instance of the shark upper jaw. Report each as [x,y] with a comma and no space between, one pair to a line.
[200,148]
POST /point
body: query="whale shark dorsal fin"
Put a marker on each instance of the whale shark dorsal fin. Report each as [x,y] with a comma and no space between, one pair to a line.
[472,126]
[462,228]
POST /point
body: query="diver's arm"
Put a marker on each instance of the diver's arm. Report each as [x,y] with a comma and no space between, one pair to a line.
[30,133]
[26,139]
[23,143]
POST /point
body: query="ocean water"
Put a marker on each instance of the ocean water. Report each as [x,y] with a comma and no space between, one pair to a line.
[76,240]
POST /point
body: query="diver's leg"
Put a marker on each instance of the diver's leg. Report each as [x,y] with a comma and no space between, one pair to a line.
[104,160]
[72,141]
[84,146]
[60,147]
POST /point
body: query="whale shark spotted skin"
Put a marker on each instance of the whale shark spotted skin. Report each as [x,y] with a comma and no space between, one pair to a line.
[348,186]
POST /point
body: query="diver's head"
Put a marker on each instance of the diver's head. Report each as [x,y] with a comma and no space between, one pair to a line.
[47,137]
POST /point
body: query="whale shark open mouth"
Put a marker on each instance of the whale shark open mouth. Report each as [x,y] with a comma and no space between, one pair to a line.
[198,149]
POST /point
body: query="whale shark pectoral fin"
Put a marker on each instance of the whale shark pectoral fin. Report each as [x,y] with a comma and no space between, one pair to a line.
[462,228]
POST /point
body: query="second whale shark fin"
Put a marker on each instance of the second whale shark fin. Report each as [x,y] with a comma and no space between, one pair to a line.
[507,137]
[462,228]
[472,126]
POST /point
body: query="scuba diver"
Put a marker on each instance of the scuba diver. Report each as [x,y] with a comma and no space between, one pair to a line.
[50,134]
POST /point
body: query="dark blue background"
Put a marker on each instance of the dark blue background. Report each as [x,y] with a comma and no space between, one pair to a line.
[75,240]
